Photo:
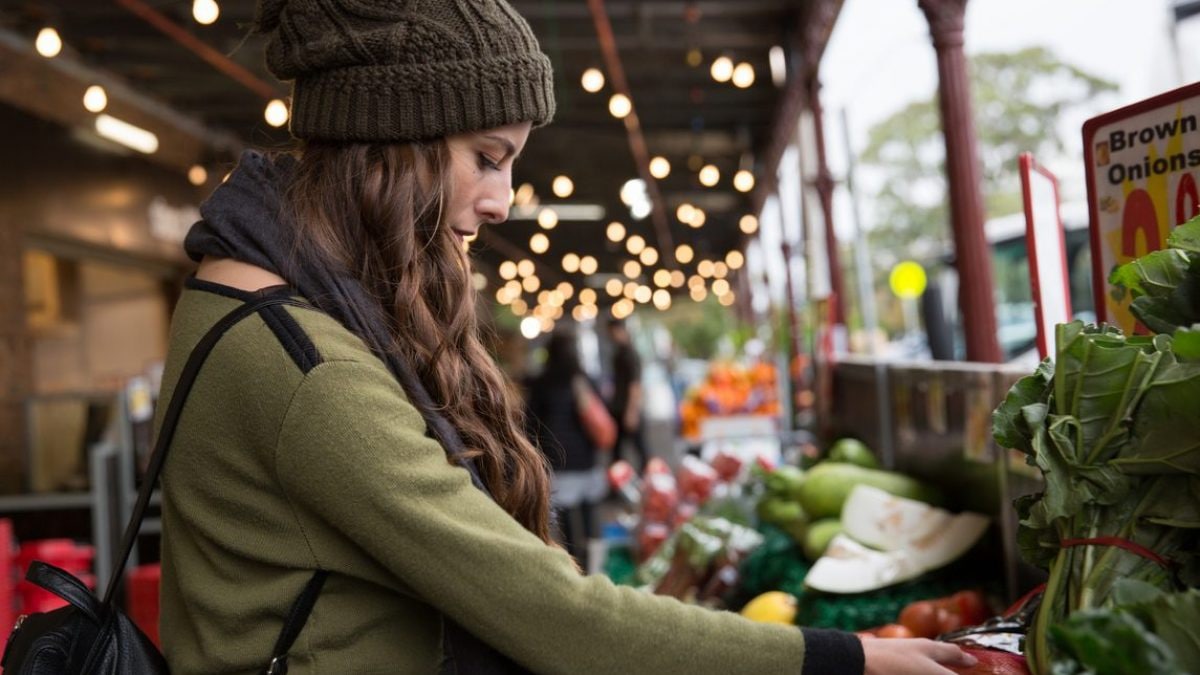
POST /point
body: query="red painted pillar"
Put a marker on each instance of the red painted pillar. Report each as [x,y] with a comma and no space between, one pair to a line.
[824,186]
[976,300]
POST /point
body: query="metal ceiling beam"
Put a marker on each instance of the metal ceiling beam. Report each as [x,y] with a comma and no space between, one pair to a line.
[637,142]
[60,83]
[216,59]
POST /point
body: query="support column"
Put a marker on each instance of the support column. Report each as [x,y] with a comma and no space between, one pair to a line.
[824,186]
[15,358]
[976,300]
[793,355]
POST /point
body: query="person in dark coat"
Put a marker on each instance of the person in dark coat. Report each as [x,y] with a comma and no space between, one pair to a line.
[578,482]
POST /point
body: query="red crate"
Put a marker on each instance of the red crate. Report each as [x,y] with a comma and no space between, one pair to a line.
[8,579]
[62,553]
[143,584]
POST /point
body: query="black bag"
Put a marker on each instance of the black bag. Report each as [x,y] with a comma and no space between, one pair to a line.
[93,637]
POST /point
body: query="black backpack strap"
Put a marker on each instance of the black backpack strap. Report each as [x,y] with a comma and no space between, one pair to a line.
[296,618]
[171,418]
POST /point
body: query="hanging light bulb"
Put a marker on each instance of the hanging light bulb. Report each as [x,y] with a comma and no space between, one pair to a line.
[614,287]
[525,268]
[587,296]
[649,256]
[734,259]
[588,265]
[662,278]
[643,294]
[592,80]
[205,12]
[48,43]
[508,270]
[632,269]
[677,279]
[539,243]
[197,175]
[662,299]
[720,287]
[743,181]
[709,175]
[743,75]
[95,99]
[635,244]
[660,168]
[748,224]
[276,113]
[547,218]
[615,232]
[698,293]
[698,218]
[684,254]
[524,195]
[727,299]
[685,213]
[619,106]
[570,263]
[722,69]
[562,187]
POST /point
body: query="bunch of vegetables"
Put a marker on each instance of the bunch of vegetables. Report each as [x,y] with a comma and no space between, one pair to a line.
[699,562]
[1113,423]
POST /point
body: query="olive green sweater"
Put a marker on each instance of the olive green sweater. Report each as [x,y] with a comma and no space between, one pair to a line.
[298,450]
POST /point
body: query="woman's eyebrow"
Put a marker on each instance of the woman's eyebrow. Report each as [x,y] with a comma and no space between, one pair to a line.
[510,150]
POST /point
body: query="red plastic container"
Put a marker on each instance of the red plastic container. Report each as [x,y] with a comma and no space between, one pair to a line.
[62,553]
[8,579]
[143,584]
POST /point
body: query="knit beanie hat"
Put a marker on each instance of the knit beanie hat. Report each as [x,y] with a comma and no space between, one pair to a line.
[405,70]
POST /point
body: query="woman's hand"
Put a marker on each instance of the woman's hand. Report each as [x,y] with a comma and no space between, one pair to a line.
[912,656]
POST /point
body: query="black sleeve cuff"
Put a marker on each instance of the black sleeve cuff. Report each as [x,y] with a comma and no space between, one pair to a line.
[832,652]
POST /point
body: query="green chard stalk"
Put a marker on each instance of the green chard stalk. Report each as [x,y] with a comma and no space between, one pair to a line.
[1113,424]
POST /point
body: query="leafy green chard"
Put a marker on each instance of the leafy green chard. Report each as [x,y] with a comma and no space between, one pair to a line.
[1113,424]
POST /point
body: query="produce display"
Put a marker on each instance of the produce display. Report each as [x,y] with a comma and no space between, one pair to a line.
[730,535]
[730,389]
[1112,424]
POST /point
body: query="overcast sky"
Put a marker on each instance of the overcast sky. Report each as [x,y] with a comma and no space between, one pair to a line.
[880,58]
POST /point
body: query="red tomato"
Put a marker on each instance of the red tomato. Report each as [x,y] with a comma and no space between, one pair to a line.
[972,607]
[921,618]
[948,620]
[894,630]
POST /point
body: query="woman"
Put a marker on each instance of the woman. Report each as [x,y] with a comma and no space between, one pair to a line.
[553,404]
[372,437]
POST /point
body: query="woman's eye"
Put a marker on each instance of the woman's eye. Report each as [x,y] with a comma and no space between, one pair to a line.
[487,163]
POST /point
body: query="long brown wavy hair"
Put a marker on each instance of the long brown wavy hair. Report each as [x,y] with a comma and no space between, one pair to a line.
[375,211]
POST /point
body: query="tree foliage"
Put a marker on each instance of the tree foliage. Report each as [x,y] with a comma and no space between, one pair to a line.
[1018,98]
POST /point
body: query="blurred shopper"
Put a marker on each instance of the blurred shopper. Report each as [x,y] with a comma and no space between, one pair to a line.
[626,403]
[371,441]
[554,406]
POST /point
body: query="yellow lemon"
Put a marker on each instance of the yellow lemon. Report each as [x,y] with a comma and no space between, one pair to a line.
[772,607]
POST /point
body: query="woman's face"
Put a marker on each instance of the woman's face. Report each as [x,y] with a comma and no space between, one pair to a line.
[481,176]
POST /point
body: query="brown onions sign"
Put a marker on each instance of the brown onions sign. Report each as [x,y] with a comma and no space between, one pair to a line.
[1143,167]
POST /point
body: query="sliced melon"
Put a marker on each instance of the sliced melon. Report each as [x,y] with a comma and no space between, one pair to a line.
[850,567]
[914,538]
